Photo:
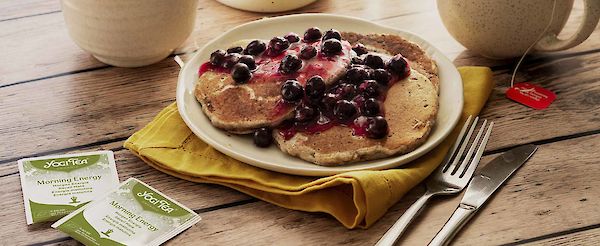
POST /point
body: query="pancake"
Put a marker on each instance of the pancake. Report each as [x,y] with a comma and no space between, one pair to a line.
[394,44]
[410,108]
[242,108]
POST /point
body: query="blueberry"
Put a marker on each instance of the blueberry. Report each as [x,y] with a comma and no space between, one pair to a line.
[292,37]
[382,76]
[357,75]
[236,49]
[230,60]
[263,137]
[370,107]
[344,110]
[332,33]
[377,128]
[292,91]
[278,45]
[304,114]
[312,34]
[369,88]
[370,72]
[289,64]
[360,49]
[255,48]
[248,60]
[315,87]
[347,91]
[357,60]
[331,47]
[241,73]
[328,102]
[308,52]
[399,66]
[374,61]
[217,57]
[359,100]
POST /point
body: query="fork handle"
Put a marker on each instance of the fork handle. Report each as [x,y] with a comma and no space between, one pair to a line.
[391,236]
[459,218]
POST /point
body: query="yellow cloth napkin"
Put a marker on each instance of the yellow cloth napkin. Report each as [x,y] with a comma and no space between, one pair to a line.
[356,199]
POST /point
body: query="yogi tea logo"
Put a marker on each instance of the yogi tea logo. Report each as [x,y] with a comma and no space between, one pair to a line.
[162,204]
[152,201]
[66,164]
[69,162]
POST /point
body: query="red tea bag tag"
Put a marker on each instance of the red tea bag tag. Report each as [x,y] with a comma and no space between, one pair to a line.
[531,95]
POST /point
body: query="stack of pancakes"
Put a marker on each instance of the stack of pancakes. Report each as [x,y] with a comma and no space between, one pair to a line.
[410,108]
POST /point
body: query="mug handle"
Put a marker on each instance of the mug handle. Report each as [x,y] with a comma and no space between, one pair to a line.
[551,42]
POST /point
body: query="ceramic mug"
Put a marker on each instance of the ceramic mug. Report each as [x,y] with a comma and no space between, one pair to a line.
[129,33]
[506,28]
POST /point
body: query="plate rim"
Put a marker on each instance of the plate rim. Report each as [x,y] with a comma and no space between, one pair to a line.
[319,170]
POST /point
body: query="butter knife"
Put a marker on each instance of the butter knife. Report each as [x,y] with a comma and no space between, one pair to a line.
[482,186]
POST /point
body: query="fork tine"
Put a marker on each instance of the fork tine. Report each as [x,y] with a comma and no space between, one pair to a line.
[464,164]
[474,162]
[463,145]
[456,144]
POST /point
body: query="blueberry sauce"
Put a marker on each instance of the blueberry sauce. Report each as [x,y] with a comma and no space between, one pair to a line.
[354,101]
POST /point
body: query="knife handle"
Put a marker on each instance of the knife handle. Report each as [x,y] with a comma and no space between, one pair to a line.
[459,218]
[391,236]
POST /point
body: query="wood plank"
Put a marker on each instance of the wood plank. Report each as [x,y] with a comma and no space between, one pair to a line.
[540,199]
[588,237]
[548,194]
[22,60]
[83,108]
[75,110]
[72,113]
[39,46]
[193,195]
[26,8]
[11,169]
[576,109]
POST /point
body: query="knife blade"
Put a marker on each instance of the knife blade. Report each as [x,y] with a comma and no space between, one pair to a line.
[493,174]
[482,186]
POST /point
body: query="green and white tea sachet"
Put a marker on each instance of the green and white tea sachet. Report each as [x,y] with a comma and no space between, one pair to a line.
[132,214]
[54,186]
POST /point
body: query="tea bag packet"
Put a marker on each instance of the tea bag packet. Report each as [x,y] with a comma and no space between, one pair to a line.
[132,214]
[54,186]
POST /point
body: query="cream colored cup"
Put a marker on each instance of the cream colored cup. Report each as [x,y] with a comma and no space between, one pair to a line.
[506,28]
[129,33]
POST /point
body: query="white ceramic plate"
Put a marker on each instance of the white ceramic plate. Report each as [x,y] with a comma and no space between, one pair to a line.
[242,148]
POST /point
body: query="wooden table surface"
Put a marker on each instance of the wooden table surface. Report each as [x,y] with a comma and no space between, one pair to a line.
[56,98]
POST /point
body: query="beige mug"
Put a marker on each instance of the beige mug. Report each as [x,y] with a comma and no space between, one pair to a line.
[129,33]
[506,28]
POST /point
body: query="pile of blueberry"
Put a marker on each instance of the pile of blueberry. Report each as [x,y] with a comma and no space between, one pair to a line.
[242,64]
[355,100]
[239,60]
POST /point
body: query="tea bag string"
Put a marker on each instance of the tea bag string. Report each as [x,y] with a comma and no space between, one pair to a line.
[512,79]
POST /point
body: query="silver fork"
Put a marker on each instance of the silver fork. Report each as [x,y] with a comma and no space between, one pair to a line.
[449,178]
